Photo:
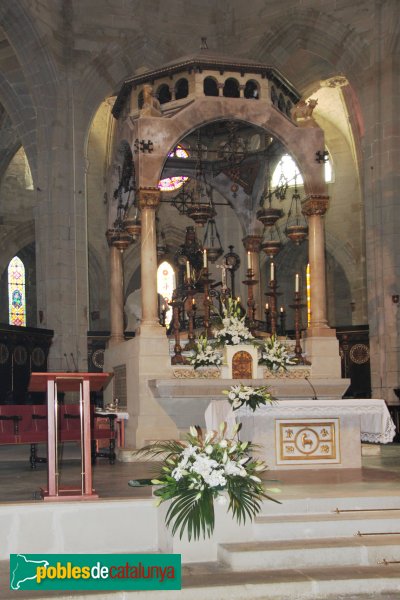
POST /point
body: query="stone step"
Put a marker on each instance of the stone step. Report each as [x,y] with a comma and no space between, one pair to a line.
[217,581]
[319,553]
[329,503]
[326,525]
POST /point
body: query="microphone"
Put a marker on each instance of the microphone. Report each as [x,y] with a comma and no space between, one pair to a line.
[312,387]
[66,360]
[75,365]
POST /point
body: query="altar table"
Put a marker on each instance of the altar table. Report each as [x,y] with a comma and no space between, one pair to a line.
[309,433]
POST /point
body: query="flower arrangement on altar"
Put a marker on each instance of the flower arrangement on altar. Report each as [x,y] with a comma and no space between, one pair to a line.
[202,470]
[205,355]
[234,330]
[275,355]
[246,395]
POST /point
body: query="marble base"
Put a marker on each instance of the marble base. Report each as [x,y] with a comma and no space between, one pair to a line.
[145,356]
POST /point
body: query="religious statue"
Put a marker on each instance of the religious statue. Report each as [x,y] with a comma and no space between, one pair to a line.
[302,113]
[151,106]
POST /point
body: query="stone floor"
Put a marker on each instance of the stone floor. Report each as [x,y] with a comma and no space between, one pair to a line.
[380,475]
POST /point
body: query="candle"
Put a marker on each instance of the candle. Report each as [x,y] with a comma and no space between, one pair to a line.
[238,299]
[281,309]
[163,307]
[297,283]
[205,265]
[188,270]
[249,260]
[193,301]
[266,306]
[272,276]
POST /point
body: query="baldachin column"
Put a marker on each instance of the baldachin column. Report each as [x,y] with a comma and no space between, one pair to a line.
[314,207]
[116,295]
[149,199]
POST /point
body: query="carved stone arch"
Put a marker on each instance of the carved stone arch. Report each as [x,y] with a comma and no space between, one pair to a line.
[300,143]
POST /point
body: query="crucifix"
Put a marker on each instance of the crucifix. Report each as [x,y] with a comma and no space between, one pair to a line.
[223,268]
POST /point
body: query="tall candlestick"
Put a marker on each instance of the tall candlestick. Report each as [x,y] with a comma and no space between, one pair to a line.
[272,273]
[249,260]
[297,283]
[188,270]
[205,265]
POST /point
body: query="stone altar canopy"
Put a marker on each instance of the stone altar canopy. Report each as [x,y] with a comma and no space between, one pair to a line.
[159,129]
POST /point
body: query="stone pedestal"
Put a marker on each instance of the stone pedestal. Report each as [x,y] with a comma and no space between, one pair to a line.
[145,357]
[322,351]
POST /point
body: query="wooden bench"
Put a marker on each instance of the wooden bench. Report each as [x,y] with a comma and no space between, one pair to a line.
[27,424]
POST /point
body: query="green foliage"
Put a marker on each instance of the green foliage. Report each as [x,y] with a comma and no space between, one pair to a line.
[194,474]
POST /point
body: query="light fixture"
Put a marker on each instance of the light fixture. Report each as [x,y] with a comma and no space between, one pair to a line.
[126,228]
[267,214]
[212,241]
[272,244]
[296,226]
[200,206]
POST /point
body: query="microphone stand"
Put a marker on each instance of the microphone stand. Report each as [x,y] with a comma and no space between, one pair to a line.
[314,397]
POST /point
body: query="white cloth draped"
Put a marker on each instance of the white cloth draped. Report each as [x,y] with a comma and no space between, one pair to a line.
[376,424]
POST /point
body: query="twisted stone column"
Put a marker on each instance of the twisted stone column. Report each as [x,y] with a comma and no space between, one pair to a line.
[116,295]
[149,199]
[314,207]
[252,244]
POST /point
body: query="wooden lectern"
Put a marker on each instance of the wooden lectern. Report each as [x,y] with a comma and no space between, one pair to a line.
[68,382]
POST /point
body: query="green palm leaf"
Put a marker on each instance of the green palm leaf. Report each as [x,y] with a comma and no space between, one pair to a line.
[195,514]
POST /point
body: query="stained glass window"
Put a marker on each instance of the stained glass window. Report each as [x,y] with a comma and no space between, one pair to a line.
[16,293]
[165,287]
[170,184]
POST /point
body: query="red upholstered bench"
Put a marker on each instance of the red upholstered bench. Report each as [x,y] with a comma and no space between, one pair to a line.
[27,424]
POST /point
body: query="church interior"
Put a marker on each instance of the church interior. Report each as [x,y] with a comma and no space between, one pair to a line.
[167,169]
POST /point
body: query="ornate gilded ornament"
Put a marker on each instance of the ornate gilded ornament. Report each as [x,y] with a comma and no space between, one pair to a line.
[242,365]
[315,204]
[149,198]
[359,354]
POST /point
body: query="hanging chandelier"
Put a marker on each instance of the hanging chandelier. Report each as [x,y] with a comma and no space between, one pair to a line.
[126,227]
[200,206]
[296,226]
[212,241]
[273,243]
[267,214]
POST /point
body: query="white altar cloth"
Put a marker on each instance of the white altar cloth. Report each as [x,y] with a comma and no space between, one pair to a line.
[376,424]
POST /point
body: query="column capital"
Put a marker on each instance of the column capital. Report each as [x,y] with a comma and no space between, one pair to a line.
[315,204]
[252,243]
[149,197]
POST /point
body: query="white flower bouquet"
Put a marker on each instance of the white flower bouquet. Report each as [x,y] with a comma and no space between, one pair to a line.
[275,355]
[205,355]
[194,475]
[234,330]
[246,395]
